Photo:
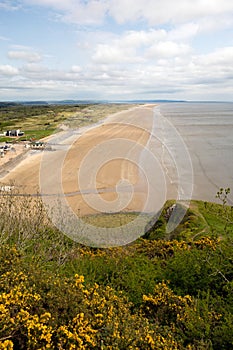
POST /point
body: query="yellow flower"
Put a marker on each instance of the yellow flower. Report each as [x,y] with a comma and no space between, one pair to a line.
[6,345]
[79,279]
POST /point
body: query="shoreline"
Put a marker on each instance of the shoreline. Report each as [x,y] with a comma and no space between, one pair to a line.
[10,162]
[110,174]
[203,188]
[26,173]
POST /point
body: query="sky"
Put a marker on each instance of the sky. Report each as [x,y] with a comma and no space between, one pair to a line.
[116,50]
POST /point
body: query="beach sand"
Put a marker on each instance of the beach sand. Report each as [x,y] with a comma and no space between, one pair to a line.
[97,169]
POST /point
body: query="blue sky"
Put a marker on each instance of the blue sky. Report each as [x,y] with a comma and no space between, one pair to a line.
[116,49]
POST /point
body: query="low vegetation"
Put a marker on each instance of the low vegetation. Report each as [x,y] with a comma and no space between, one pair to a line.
[161,292]
[38,121]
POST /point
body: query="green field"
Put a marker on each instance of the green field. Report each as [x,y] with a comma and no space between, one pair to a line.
[43,120]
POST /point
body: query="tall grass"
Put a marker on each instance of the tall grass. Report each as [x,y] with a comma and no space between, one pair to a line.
[25,224]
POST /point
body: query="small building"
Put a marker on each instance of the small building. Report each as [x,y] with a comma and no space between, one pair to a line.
[4,149]
[37,145]
[14,133]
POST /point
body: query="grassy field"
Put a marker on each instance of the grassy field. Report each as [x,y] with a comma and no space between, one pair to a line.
[111,220]
[41,121]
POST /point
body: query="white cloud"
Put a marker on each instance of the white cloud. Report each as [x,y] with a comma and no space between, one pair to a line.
[139,46]
[157,12]
[214,23]
[160,54]
[154,12]
[173,78]
[76,11]
[9,5]
[76,69]
[184,32]
[112,54]
[24,55]
[214,68]
[34,68]
[93,12]
[36,72]
[141,38]
[8,70]
[20,47]
[221,58]
[211,69]
[168,49]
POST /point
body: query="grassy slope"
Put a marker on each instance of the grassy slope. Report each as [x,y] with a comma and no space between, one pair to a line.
[192,259]
[201,219]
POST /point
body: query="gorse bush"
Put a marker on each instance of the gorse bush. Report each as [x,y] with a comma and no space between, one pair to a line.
[152,294]
[66,314]
[41,310]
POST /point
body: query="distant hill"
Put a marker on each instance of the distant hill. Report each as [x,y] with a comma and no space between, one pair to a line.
[32,103]
[81,102]
[8,104]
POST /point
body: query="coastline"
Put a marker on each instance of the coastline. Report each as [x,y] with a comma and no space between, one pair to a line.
[133,125]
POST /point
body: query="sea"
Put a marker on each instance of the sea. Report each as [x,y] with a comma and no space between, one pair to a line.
[197,142]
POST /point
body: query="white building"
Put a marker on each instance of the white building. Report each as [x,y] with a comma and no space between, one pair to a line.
[15,132]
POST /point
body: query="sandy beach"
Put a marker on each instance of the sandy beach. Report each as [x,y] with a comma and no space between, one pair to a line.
[96,168]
